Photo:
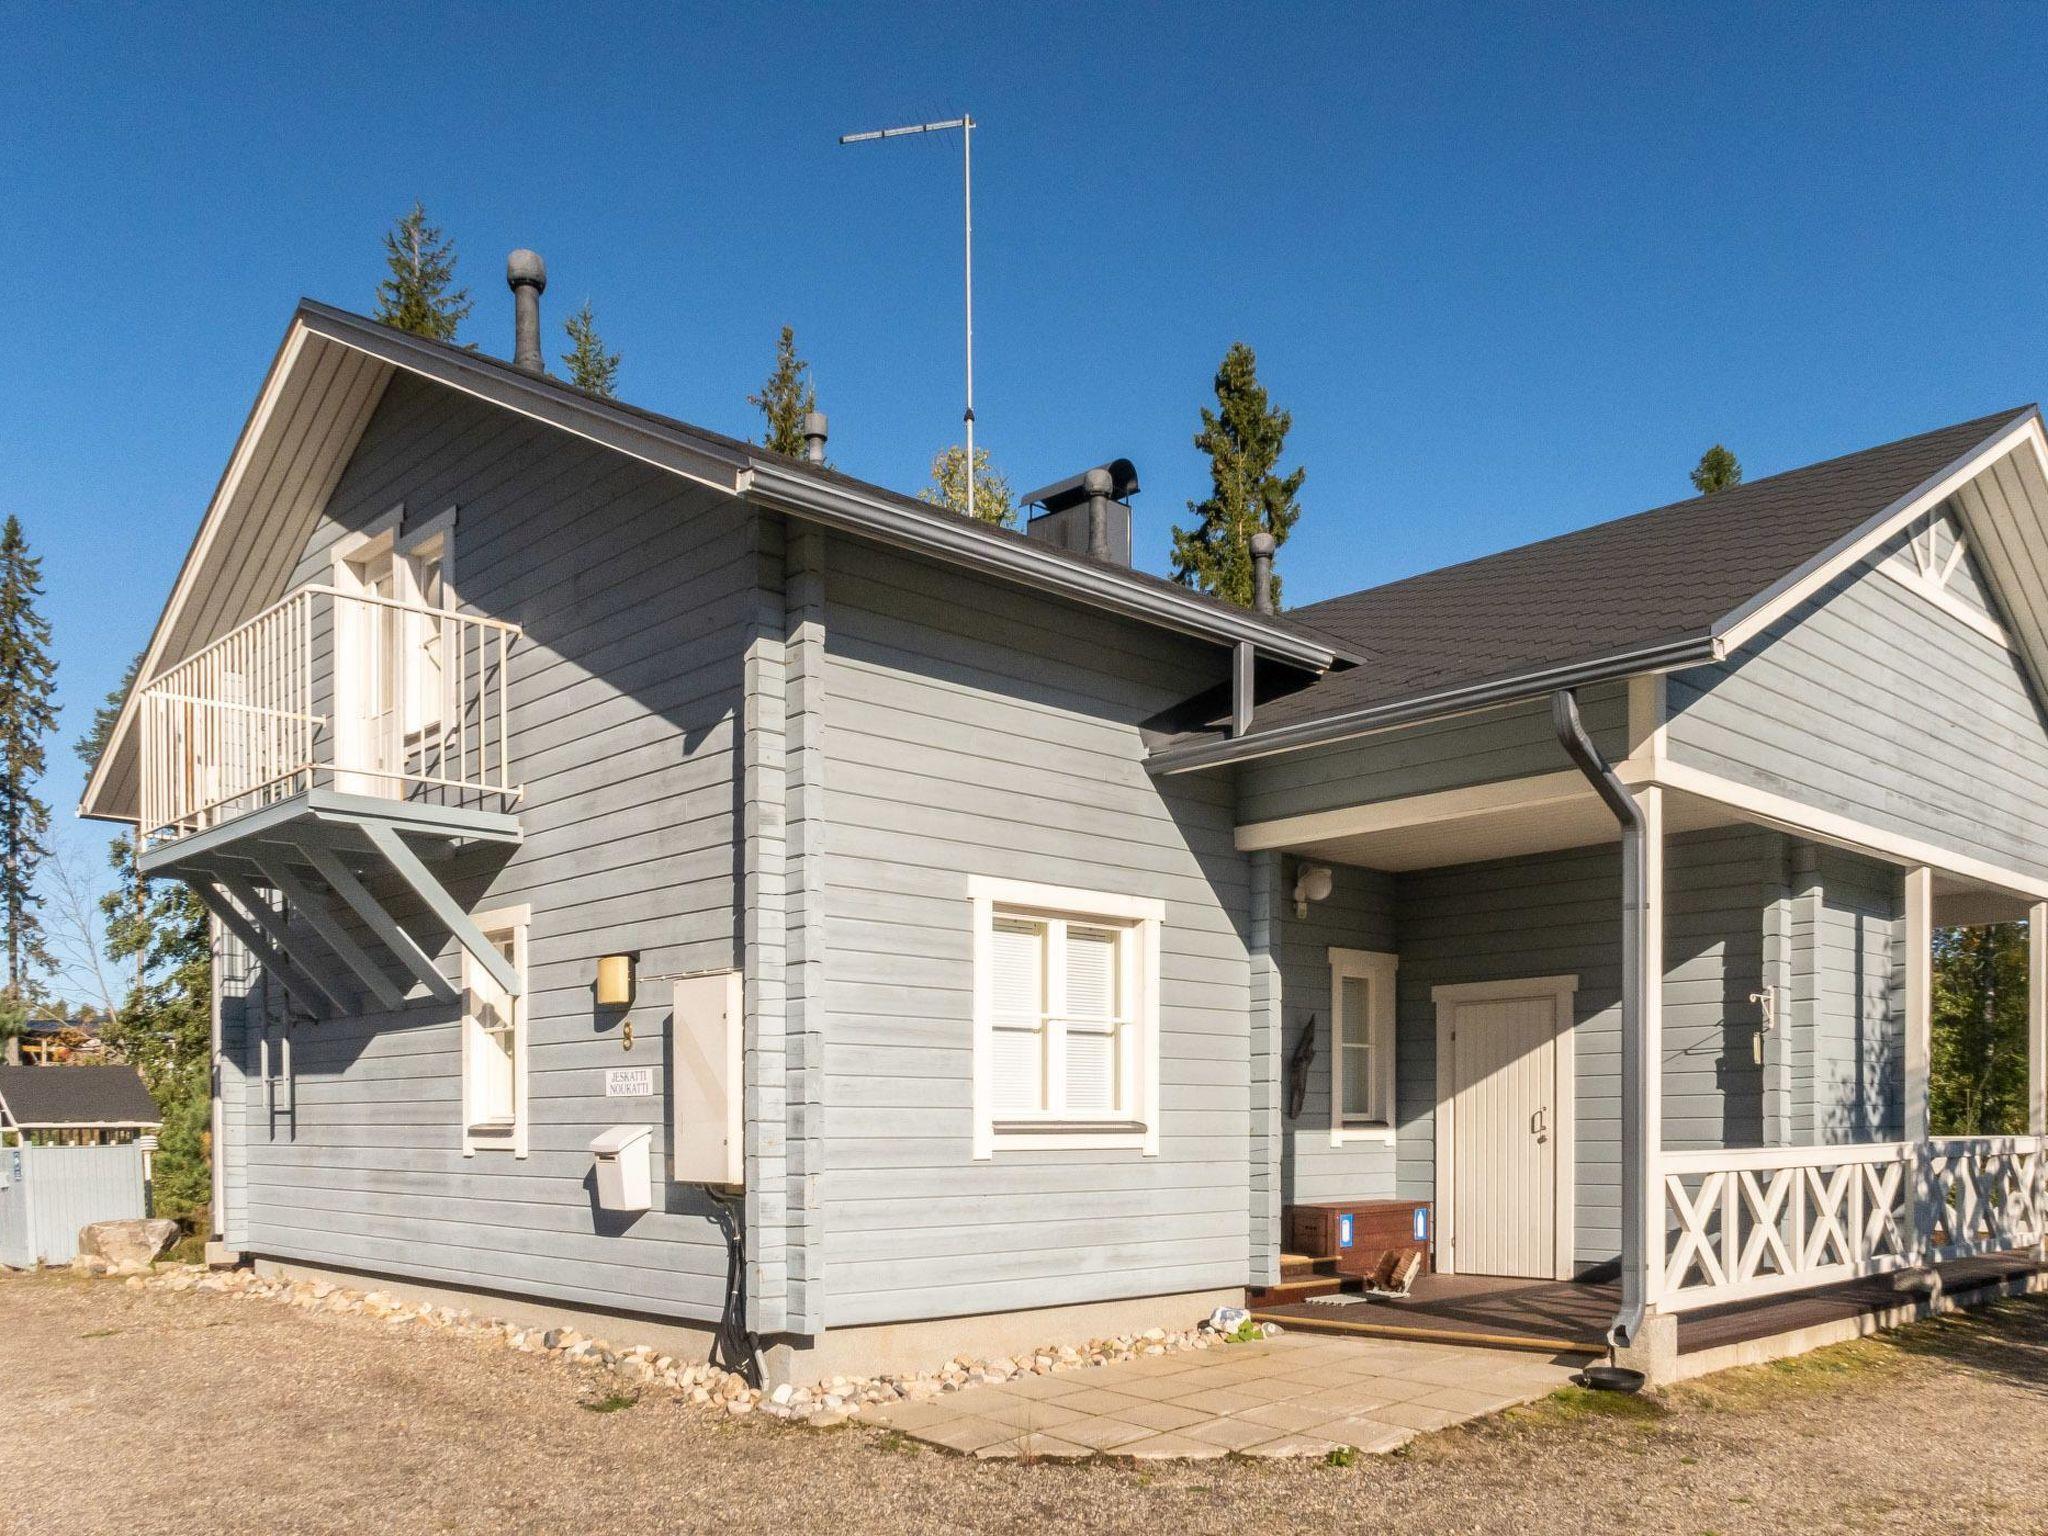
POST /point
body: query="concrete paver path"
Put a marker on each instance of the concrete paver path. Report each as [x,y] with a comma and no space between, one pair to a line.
[1295,1395]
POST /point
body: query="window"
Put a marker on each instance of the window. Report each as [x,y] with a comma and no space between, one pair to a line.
[494,1044]
[1066,1049]
[1361,1046]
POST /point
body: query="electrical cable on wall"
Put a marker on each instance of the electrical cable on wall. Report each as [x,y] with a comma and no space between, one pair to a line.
[734,1347]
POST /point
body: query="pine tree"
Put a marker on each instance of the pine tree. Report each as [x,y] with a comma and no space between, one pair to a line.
[418,296]
[27,714]
[1716,471]
[785,399]
[590,366]
[165,1029]
[1977,1085]
[992,500]
[1244,438]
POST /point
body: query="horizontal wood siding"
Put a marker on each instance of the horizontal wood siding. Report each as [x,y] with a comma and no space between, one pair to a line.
[976,729]
[635,591]
[1358,915]
[1456,753]
[1873,703]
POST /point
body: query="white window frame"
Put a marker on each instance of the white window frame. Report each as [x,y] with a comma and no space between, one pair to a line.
[477,1137]
[1142,917]
[1378,970]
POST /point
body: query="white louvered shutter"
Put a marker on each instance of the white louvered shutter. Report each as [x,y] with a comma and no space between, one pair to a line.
[1018,1007]
[1091,1021]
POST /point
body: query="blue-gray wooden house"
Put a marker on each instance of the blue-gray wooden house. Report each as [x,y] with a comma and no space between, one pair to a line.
[1599,875]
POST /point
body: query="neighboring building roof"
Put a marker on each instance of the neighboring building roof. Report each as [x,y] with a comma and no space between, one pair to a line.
[1667,587]
[76,1096]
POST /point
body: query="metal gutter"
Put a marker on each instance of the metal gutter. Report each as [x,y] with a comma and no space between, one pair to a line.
[1635,905]
[1466,699]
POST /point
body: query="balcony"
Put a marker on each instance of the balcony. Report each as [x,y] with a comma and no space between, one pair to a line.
[317,761]
[344,691]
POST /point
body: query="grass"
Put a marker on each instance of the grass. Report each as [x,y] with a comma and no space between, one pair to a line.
[611,1402]
[1570,1405]
[189,1249]
[1342,1456]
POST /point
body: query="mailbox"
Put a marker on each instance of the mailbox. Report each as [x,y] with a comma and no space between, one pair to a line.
[625,1175]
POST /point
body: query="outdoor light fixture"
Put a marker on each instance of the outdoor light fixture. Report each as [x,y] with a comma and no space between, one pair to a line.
[1314,883]
[614,981]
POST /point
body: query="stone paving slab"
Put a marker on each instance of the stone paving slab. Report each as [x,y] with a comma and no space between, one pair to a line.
[1293,1395]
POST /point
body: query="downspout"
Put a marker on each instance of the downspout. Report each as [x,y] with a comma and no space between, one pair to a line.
[1635,902]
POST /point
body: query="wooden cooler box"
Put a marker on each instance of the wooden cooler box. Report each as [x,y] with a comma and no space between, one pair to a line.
[1357,1233]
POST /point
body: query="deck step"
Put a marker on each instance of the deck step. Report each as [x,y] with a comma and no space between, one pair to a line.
[1291,1290]
[1369,1322]
[1302,1266]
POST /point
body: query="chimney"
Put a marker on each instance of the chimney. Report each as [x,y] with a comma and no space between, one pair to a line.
[1088,513]
[814,436]
[527,276]
[1263,545]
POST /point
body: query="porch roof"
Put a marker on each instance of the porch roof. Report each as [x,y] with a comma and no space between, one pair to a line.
[76,1096]
[1674,586]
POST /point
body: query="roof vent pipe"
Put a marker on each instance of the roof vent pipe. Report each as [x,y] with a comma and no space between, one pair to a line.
[814,436]
[1100,487]
[1263,545]
[527,276]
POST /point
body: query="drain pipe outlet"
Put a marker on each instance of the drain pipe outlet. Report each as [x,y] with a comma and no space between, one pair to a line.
[1635,904]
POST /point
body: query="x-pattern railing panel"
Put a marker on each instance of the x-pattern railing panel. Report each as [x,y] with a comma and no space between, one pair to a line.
[1750,1223]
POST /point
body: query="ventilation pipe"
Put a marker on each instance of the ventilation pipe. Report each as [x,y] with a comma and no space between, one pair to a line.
[1100,488]
[1635,1070]
[815,426]
[527,276]
[1263,545]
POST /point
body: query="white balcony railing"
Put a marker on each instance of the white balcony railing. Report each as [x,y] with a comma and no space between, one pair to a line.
[334,689]
[1743,1224]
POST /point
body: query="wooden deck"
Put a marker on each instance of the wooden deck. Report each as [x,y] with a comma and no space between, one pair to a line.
[1571,1317]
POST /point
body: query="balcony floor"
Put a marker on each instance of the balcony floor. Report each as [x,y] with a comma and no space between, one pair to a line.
[326,815]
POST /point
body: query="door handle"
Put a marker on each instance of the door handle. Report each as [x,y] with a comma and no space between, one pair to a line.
[1539,1123]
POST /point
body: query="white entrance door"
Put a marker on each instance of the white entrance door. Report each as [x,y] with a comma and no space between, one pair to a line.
[1503,1132]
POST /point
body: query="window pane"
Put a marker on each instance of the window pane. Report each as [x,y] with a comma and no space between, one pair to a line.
[1357,1010]
[1091,1071]
[1356,1065]
[1018,1075]
[1091,973]
[1019,988]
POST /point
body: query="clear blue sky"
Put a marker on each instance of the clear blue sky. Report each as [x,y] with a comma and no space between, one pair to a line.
[1512,270]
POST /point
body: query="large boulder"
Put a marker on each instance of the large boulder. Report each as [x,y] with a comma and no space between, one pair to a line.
[127,1244]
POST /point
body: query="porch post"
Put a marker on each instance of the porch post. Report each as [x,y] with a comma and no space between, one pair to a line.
[1642,1089]
[2037,1019]
[1919,997]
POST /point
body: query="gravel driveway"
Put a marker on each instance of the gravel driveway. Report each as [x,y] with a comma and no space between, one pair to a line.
[129,1410]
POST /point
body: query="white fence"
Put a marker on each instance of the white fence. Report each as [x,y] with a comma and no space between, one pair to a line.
[348,690]
[1739,1225]
[48,1193]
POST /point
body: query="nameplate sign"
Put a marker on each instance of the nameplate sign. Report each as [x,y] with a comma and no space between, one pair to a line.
[629,1082]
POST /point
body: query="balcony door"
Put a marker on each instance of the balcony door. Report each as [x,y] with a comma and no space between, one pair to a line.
[389,680]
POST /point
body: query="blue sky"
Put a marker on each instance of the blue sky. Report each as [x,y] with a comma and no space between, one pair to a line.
[1511,268]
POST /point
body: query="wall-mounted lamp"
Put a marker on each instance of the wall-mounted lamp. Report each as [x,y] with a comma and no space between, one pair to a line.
[1314,883]
[614,981]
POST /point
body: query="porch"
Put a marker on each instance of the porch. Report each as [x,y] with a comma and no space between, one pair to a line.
[1667,1090]
[1571,1317]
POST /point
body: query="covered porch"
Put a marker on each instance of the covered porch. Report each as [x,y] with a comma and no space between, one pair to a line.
[1665,1090]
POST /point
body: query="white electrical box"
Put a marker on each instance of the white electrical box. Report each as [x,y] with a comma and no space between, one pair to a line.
[709,1080]
[625,1168]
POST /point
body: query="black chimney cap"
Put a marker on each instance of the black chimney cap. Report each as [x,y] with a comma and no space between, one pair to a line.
[1072,491]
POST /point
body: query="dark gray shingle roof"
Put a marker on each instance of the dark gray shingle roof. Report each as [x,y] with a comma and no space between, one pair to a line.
[77,1096]
[1656,578]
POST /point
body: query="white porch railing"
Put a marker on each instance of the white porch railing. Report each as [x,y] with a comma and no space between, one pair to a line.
[1744,1224]
[331,688]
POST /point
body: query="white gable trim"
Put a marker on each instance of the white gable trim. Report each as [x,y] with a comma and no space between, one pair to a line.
[1752,618]
[1923,581]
